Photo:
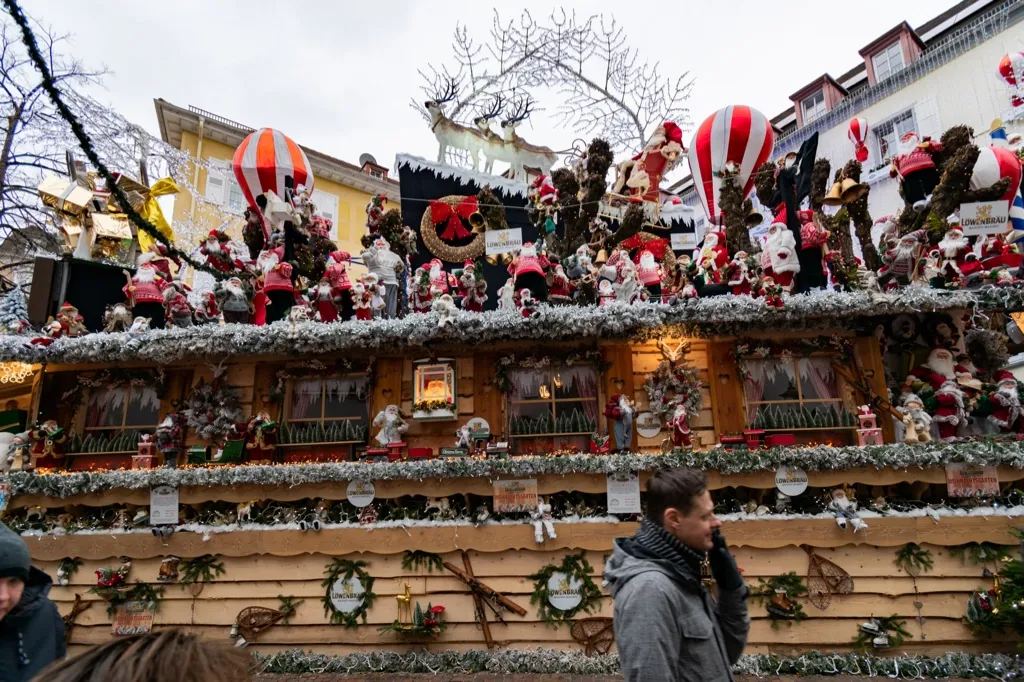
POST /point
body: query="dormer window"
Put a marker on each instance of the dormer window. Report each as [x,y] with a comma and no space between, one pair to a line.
[814,107]
[888,61]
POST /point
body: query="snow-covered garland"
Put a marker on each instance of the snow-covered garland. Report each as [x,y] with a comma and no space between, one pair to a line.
[723,315]
[508,363]
[552,662]
[817,458]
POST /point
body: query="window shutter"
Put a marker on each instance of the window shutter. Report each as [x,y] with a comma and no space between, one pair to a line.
[926,113]
[216,181]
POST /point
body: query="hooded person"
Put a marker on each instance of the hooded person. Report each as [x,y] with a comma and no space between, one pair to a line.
[31,629]
[667,625]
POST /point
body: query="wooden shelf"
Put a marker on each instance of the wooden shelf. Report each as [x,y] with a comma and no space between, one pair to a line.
[95,454]
[814,428]
[313,445]
[552,435]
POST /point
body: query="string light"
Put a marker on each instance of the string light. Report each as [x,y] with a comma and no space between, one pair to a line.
[14,372]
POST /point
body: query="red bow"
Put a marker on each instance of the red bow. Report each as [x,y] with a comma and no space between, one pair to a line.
[441,211]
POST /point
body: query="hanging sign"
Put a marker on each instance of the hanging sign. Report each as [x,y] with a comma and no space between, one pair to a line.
[347,595]
[479,429]
[684,241]
[565,592]
[971,480]
[498,242]
[516,495]
[648,425]
[790,481]
[133,618]
[163,505]
[984,217]
[360,493]
[623,493]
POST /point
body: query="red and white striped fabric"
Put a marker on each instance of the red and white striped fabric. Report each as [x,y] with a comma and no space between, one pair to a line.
[857,133]
[1011,68]
[263,160]
[993,164]
[738,134]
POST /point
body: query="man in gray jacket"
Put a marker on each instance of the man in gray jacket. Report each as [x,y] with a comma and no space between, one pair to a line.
[667,626]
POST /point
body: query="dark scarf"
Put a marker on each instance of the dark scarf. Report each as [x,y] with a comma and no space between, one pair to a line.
[654,543]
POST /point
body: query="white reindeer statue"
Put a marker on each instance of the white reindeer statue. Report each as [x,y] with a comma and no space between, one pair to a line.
[448,132]
[518,152]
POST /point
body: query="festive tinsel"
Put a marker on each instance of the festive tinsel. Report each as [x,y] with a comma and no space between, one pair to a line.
[814,458]
[552,662]
[722,315]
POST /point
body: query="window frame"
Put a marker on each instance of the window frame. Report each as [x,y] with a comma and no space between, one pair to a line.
[889,56]
[289,392]
[554,370]
[124,413]
[801,403]
[877,137]
[450,369]
[817,110]
[230,189]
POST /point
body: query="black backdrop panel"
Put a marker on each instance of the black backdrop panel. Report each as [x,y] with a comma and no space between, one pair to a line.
[87,286]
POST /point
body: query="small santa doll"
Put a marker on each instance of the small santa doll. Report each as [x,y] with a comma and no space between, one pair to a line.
[581,263]
[341,286]
[527,304]
[543,191]
[439,279]
[277,283]
[323,298]
[713,257]
[445,309]
[176,307]
[917,422]
[261,443]
[679,422]
[950,415]
[622,412]
[1006,415]
[627,283]
[649,272]
[938,369]
[48,442]
[958,260]
[207,311]
[560,291]
[362,301]
[376,291]
[507,295]
[72,321]
[473,288]
[900,264]
[605,292]
[778,259]
[386,265]
[770,292]
[145,293]
[916,170]
[541,519]
[217,251]
[161,260]
[234,299]
[391,424]
[528,267]
[739,276]
[420,297]
[52,331]
[845,510]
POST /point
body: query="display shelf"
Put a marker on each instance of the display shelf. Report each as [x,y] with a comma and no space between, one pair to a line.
[314,445]
[553,435]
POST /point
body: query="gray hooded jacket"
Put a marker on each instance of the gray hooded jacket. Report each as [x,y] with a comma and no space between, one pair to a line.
[667,626]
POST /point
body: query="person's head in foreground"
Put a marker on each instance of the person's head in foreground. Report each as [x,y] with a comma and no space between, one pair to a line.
[171,655]
[678,500]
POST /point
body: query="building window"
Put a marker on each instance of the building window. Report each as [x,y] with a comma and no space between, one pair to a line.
[221,186]
[326,204]
[114,410]
[814,107]
[377,173]
[787,394]
[331,410]
[433,394]
[887,134]
[888,61]
[553,401]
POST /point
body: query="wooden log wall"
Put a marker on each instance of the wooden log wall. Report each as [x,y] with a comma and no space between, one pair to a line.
[645,359]
[880,588]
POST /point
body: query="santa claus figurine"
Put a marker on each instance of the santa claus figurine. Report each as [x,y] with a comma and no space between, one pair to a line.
[1006,413]
[957,257]
[176,308]
[916,170]
[507,295]
[341,286]
[739,274]
[679,422]
[420,297]
[439,279]
[950,414]
[376,291]
[386,264]
[48,442]
[560,291]
[813,242]
[542,191]
[72,321]
[277,283]
[473,288]
[622,412]
[938,369]
[217,251]
[900,264]
[917,423]
[649,272]
[52,331]
[323,299]
[207,311]
[778,259]
[527,304]
[528,267]
[145,293]
[162,261]
[261,444]
[1001,277]
[391,424]
[580,264]
[605,292]
[770,292]
[713,257]
[362,301]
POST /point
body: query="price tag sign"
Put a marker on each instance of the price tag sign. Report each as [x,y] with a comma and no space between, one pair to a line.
[971,480]
[133,618]
[623,493]
[163,505]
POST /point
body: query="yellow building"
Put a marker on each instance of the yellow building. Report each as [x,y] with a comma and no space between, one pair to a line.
[341,189]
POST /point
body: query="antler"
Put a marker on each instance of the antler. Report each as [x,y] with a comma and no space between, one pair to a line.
[450,92]
[522,108]
[497,104]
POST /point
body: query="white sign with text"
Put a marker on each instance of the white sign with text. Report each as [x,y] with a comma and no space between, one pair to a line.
[503,241]
[984,217]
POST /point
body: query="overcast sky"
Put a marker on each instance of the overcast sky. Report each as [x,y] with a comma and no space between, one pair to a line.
[337,75]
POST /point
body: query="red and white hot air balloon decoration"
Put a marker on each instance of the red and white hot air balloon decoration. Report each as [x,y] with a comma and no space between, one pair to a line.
[1011,70]
[264,159]
[858,133]
[737,136]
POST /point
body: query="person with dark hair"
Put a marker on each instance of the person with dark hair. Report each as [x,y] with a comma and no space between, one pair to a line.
[31,629]
[667,626]
[166,655]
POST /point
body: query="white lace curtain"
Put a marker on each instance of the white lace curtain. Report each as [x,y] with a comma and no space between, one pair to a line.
[815,374]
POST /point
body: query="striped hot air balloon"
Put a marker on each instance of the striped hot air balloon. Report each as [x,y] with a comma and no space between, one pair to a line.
[1011,70]
[993,164]
[736,135]
[263,160]
[857,133]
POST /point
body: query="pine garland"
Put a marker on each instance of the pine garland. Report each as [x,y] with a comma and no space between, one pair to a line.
[417,560]
[914,559]
[213,409]
[682,380]
[1000,609]
[142,592]
[793,586]
[200,570]
[892,626]
[344,569]
[576,567]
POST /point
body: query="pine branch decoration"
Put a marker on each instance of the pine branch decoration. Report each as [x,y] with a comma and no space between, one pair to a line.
[861,218]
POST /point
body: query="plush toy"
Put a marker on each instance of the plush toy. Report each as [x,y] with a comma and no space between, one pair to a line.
[145,291]
[528,267]
[915,167]
[391,424]
[1006,415]
[234,298]
[916,421]
[322,297]
[680,425]
[18,456]
[845,509]
[48,442]
[541,519]
[527,304]
[386,264]
[621,410]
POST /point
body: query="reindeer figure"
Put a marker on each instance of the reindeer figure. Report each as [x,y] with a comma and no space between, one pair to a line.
[448,132]
[405,606]
[492,139]
[518,152]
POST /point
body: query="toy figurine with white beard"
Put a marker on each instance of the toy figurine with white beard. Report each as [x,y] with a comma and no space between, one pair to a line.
[649,273]
[391,424]
[845,509]
[217,251]
[916,420]
[939,368]
[529,267]
[779,259]
[176,306]
[1006,415]
[950,414]
[901,264]
[277,283]
[386,264]
[622,412]
[235,299]
[145,292]
[541,520]
[957,258]
[679,422]
[507,295]
[323,300]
